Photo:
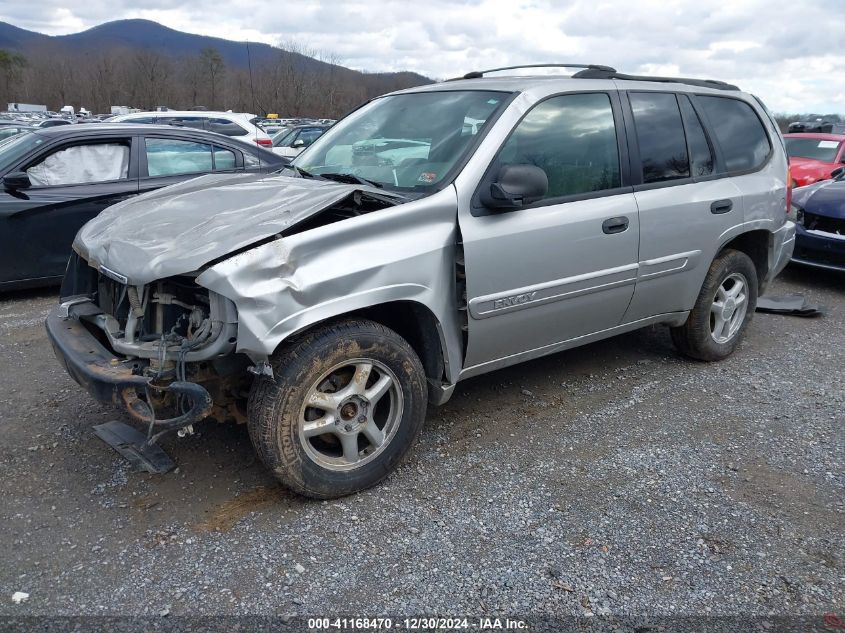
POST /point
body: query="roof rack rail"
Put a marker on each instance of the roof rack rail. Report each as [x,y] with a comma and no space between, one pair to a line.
[603,73]
[477,74]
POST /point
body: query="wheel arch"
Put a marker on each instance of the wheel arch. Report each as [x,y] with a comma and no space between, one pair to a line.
[756,244]
[417,324]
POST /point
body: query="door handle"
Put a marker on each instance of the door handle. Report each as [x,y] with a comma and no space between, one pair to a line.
[615,225]
[721,206]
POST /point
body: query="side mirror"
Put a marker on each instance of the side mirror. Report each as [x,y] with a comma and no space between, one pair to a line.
[16,180]
[298,143]
[838,173]
[516,186]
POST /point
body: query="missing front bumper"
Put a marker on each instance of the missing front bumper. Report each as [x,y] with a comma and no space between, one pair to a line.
[115,380]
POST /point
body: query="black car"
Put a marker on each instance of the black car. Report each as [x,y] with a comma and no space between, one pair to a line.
[826,127]
[820,232]
[54,180]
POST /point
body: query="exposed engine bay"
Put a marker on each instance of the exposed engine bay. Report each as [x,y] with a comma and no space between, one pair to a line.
[169,331]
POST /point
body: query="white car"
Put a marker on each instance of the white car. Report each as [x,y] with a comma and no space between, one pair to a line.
[237,124]
[296,139]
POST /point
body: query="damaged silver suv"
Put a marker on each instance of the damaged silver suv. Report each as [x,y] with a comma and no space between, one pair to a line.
[433,234]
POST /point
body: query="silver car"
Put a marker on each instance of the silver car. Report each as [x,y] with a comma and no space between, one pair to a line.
[432,235]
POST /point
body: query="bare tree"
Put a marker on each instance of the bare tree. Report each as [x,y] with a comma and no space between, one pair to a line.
[152,77]
[214,70]
[11,71]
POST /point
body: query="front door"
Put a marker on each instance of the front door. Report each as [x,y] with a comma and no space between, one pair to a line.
[565,266]
[69,186]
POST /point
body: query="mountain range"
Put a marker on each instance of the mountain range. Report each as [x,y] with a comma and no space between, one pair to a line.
[149,35]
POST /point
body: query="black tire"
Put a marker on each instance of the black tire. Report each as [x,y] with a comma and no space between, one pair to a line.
[694,337]
[276,406]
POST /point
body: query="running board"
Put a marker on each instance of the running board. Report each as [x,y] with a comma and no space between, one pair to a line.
[133,445]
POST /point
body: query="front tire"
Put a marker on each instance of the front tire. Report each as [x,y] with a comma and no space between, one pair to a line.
[346,403]
[722,311]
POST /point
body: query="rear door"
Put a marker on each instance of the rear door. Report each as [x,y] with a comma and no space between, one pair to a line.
[70,184]
[166,161]
[686,201]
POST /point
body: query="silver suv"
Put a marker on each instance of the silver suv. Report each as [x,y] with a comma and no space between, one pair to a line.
[433,234]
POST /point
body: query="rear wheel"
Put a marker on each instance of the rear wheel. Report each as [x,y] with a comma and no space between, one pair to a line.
[345,405]
[723,310]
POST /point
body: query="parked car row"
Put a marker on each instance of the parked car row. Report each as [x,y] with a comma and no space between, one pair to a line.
[48,118]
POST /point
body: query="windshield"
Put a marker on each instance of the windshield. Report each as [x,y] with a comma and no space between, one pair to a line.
[283,139]
[406,141]
[814,148]
[16,147]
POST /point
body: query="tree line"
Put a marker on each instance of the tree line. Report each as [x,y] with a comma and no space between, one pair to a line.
[296,81]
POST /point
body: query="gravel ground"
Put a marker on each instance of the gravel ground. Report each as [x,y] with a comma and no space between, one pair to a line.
[617,478]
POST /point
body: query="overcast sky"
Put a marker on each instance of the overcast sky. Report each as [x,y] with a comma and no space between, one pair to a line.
[788,53]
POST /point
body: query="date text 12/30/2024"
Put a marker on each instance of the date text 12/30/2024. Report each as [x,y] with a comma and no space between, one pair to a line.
[416,624]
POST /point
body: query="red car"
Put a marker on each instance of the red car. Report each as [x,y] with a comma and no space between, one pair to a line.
[813,155]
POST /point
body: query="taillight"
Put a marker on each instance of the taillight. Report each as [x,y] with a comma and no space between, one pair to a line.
[789,184]
[264,142]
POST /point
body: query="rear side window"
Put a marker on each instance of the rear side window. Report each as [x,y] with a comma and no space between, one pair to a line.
[739,132]
[701,156]
[224,126]
[660,135]
[186,121]
[167,157]
[573,139]
[224,159]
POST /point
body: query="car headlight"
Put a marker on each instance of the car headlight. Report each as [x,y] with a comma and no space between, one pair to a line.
[796,214]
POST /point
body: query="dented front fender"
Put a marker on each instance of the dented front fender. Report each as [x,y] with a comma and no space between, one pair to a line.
[402,253]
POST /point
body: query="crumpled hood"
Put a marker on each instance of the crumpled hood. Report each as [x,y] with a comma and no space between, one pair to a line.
[807,170]
[824,198]
[177,229]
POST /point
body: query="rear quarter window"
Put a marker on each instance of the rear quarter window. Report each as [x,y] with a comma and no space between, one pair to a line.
[224,126]
[660,135]
[740,133]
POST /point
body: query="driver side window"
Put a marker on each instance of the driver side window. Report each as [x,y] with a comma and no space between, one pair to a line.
[572,138]
[78,164]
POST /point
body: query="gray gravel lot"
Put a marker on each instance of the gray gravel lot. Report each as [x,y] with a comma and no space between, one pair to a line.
[617,478]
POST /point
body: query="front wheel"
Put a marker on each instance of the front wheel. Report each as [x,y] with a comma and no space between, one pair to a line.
[345,405]
[723,310]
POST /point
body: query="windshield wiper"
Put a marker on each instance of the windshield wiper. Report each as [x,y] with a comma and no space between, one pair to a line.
[300,171]
[352,178]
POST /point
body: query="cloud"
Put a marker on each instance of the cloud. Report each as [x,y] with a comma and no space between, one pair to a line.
[782,53]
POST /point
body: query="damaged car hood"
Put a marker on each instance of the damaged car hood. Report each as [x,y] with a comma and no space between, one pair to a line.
[178,229]
[823,198]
